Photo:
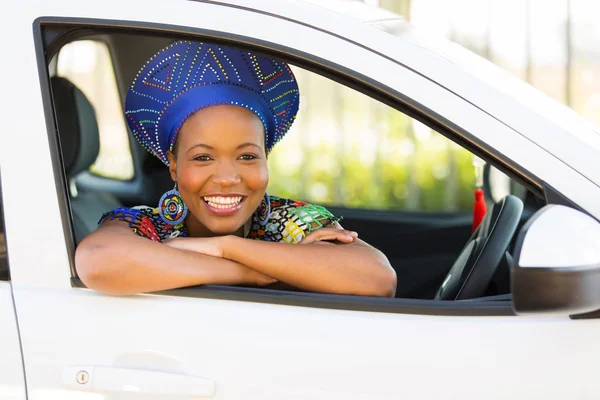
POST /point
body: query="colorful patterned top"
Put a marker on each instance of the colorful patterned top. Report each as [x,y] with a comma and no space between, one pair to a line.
[290,221]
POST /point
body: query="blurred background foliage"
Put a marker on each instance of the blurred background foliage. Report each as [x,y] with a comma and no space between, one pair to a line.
[346,149]
[349,150]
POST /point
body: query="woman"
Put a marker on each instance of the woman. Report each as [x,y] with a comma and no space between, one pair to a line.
[212,114]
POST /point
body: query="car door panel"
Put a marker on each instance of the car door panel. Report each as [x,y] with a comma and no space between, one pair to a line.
[268,351]
[12,382]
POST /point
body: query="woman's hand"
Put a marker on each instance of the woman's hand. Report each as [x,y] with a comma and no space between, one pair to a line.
[213,246]
[328,235]
[209,246]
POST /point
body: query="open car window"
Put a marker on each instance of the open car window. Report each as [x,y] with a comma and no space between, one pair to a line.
[405,187]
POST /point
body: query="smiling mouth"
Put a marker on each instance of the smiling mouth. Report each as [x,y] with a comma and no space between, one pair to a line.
[224,203]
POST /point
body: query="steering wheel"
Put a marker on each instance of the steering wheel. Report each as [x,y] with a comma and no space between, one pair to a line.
[474,268]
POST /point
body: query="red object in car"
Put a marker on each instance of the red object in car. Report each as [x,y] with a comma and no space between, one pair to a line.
[479,208]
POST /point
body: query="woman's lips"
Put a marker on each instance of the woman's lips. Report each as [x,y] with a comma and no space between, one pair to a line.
[224,205]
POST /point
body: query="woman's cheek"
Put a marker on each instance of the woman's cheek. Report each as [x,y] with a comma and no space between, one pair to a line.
[192,179]
[258,178]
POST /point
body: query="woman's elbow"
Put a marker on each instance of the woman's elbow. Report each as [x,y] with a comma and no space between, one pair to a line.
[91,266]
[384,284]
[379,278]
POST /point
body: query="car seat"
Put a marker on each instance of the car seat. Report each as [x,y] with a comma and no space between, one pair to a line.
[80,145]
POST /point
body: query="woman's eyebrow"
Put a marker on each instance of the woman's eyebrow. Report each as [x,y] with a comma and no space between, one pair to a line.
[206,146]
[248,144]
[209,147]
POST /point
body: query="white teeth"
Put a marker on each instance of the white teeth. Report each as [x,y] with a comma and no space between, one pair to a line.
[223,202]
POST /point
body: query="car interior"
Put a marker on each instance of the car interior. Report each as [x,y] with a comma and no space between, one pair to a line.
[423,246]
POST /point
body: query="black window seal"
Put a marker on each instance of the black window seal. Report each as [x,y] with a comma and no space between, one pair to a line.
[56,156]
[323,67]
[3,231]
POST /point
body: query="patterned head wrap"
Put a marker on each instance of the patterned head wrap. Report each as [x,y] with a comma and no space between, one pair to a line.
[185,77]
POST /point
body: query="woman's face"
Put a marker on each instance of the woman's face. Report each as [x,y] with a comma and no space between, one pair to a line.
[220,167]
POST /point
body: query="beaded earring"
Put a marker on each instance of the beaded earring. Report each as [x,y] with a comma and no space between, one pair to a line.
[264,210]
[171,208]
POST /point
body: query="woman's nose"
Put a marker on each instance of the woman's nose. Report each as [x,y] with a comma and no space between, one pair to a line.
[226,175]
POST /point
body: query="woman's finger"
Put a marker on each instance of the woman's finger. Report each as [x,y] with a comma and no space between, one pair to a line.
[330,234]
[341,236]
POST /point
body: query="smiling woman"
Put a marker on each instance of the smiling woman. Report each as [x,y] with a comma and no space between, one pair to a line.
[212,114]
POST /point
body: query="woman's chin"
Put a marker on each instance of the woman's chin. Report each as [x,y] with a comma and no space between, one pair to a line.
[209,223]
[221,229]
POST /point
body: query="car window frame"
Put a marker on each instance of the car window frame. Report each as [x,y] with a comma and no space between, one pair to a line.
[45,49]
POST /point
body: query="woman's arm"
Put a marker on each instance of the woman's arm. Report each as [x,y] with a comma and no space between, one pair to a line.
[353,268]
[115,260]
[350,267]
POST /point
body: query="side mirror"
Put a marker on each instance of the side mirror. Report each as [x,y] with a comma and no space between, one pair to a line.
[556,267]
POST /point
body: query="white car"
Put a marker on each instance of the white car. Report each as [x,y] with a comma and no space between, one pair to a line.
[537,338]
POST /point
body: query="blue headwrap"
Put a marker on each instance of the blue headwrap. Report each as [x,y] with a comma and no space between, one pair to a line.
[188,76]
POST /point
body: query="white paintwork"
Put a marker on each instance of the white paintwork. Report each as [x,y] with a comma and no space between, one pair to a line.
[561,237]
[266,351]
[12,383]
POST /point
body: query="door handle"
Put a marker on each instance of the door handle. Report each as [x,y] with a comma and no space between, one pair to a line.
[109,379]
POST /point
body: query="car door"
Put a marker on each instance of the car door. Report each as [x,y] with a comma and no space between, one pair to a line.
[12,381]
[234,343]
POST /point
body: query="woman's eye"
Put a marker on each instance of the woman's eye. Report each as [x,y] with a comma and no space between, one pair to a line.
[248,157]
[202,158]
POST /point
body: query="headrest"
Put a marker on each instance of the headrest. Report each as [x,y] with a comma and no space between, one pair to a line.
[77,126]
